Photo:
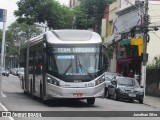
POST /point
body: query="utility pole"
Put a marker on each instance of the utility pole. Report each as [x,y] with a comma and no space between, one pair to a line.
[145,37]
[4,17]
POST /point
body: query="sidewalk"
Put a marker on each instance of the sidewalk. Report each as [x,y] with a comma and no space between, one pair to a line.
[152,101]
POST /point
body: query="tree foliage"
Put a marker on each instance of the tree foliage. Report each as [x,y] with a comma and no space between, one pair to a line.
[10,49]
[17,33]
[153,71]
[90,12]
[155,64]
[23,31]
[87,15]
[50,11]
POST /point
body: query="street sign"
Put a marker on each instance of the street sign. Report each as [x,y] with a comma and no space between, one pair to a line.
[3,14]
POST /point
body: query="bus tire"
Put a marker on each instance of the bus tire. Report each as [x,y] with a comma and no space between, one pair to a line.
[21,83]
[90,101]
[41,92]
[31,90]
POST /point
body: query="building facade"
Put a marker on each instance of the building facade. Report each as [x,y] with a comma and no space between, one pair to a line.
[125,39]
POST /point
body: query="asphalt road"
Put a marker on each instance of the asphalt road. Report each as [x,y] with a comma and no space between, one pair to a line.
[16,100]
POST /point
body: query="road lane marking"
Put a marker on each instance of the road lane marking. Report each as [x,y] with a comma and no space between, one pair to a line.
[2,94]
[4,108]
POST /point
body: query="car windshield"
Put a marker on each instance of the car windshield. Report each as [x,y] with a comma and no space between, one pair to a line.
[127,82]
[111,75]
[108,79]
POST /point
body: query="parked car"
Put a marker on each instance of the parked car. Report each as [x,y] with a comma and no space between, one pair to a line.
[125,88]
[20,73]
[109,76]
[15,71]
[5,72]
[21,76]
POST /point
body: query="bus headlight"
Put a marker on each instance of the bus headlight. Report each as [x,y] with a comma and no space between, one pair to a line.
[52,81]
[100,80]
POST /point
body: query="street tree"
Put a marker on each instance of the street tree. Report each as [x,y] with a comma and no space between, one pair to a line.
[10,48]
[92,13]
[155,64]
[22,32]
[44,11]
[81,19]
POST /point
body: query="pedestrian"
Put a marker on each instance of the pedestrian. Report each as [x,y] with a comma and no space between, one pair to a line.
[131,74]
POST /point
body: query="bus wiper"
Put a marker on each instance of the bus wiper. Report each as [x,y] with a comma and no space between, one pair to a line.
[82,68]
[67,68]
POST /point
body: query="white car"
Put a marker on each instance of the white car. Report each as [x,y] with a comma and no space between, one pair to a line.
[20,73]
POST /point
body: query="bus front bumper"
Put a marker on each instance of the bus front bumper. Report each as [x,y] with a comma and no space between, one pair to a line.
[81,93]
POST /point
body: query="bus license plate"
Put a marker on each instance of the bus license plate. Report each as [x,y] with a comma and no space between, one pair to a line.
[77,94]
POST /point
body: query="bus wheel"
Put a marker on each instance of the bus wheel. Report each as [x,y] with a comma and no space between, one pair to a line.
[31,90]
[21,83]
[41,96]
[90,101]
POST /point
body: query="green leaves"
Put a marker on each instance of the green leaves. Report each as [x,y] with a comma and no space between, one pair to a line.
[87,15]
[17,34]
[90,13]
[155,64]
[50,11]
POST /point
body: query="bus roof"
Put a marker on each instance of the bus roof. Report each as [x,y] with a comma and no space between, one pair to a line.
[73,36]
[69,37]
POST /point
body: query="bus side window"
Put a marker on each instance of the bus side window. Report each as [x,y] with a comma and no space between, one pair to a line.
[51,64]
[38,64]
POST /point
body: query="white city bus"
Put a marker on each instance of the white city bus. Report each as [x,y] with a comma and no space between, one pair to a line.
[64,64]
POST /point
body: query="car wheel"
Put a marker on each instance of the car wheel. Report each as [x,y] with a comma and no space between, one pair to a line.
[90,101]
[131,100]
[115,96]
[107,94]
[141,101]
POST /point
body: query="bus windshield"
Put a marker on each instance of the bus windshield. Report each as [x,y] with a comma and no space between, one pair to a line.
[84,63]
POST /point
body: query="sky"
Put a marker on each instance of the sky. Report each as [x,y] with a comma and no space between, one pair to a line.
[10,6]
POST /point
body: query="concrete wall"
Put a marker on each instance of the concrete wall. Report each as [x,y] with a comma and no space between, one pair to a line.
[153,82]
[113,8]
[153,89]
[154,44]
[103,28]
